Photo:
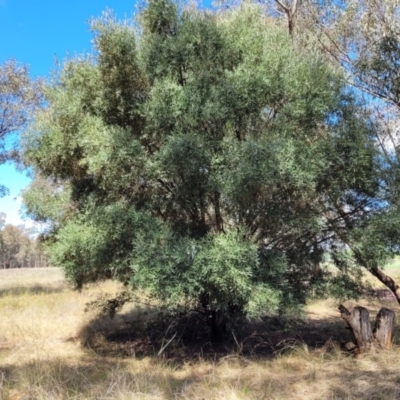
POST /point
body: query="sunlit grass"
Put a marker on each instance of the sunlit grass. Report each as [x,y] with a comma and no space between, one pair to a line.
[393,268]
[41,356]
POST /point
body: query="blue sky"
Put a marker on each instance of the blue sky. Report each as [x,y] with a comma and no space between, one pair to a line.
[36,32]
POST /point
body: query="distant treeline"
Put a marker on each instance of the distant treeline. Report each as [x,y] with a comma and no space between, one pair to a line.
[18,249]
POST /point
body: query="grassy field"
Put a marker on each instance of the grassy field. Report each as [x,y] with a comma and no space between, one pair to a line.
[51,349]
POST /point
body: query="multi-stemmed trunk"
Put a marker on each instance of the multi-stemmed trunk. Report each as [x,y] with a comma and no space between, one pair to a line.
[364,338]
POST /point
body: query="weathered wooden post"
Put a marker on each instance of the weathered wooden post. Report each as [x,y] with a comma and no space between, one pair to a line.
[360,327]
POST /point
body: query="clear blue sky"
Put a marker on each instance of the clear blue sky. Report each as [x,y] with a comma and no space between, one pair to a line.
[35,32]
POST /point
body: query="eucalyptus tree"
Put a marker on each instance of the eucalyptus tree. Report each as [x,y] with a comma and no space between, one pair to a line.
[362,38]
[19,97]
[204,159]
[19,250]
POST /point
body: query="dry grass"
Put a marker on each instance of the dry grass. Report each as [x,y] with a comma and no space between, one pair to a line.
[42,358]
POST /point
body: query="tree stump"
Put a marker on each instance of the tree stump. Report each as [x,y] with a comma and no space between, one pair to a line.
[384,325]
[360,327]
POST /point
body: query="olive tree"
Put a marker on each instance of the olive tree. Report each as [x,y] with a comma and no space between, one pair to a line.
[206,160]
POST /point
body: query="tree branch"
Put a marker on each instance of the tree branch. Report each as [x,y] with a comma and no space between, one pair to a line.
[285,8]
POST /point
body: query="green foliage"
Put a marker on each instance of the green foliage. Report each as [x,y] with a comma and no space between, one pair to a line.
[123,82]
[207,162]
[377,69]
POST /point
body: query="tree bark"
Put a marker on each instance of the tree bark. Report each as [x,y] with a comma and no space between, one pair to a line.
[290,12]
[214,319]
[360,327]
[370,267]
[384,325]
[387,281]
[217,324]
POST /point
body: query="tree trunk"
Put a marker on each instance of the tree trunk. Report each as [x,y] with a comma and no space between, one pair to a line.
[360,327]
[387,281]
[214,319]
[378,273]
[218,325]
[384,325]
[290,11]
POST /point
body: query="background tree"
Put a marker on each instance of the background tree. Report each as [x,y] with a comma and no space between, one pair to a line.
[362,38]
[19,97]
[19,250]
[208,162]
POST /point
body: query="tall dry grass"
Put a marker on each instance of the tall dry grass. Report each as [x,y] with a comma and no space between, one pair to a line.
[41,356]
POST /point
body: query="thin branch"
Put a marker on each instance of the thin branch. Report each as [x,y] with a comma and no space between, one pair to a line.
[283,6]
[294,8]
[164,347]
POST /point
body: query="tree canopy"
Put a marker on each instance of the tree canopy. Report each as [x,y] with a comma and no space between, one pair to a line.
[209,161]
